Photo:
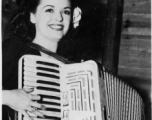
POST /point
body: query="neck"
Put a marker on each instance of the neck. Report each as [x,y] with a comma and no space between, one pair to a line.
[47,43]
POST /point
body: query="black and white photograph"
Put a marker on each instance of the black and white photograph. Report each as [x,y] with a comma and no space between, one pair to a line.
[76,59]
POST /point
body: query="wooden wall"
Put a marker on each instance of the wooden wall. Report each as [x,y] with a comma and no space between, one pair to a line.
[135,48]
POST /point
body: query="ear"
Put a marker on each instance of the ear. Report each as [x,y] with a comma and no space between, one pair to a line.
[32,18]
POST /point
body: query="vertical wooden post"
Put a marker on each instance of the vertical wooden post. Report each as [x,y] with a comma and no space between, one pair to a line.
[112,35]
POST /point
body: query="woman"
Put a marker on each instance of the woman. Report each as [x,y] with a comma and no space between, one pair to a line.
[52,20]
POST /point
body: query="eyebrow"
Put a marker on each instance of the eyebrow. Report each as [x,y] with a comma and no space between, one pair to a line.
[48,6]
[53,6]
[67,8]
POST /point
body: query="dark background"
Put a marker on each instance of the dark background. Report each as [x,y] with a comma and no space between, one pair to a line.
[133,58]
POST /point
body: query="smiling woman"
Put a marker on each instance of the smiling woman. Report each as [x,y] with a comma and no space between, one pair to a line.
[52,21]
[41,23]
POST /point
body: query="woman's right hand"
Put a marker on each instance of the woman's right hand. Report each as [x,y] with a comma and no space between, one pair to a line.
[20,100]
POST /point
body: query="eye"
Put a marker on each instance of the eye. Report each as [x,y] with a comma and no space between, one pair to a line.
[67,12]
[49,10]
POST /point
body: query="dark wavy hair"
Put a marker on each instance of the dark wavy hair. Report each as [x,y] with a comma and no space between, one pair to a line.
[20,24]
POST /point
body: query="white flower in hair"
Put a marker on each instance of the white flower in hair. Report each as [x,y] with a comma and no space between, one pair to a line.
[76,16]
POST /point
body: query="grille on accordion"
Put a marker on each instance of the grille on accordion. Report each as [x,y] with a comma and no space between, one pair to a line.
[122,101]
[81,99]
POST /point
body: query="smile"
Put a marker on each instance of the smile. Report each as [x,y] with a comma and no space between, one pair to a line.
[56,27]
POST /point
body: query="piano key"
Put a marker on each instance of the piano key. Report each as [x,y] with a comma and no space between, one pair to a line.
[51,100]
[53,109]
[35,84]
[53,115]
[47,69]
[53,118]
[36,91]
[34,65]
[31,62]
[48,75]
[49,103]
[37,78]
[49,96]
[52,106]
[57,110]
[48,83]
[48,89]
[42,119]
[30,69]
[47,63]
[50,113]
[37,69]
[40,75]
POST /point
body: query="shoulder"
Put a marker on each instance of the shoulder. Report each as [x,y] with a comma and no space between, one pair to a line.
[14,47]
[16,44]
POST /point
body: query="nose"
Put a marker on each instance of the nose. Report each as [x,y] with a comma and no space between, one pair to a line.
[58,17]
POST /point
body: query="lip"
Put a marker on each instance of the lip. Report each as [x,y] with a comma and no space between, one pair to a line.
[57,27]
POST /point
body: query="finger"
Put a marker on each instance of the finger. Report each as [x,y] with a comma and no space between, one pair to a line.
[28,90]
[35,97]
[30,109]
[24,118]
[26,115]
[38,105]
[28,87]
[35,104]
[39,114]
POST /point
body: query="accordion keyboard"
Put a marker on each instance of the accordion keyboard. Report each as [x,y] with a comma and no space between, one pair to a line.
[44,78]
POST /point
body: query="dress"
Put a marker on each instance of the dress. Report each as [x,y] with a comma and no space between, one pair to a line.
[12,50]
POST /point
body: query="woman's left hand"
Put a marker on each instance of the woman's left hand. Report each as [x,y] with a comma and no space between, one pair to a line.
[20,100]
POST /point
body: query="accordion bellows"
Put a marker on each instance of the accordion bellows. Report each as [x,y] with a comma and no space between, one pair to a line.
[78,91]
[122,101]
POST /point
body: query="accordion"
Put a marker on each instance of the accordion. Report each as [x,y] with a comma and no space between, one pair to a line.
[78,91]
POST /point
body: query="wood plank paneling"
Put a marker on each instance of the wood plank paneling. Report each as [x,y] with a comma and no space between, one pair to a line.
[135,48]
[134,17]
[137,31]
[141,73]
[140,6]
[136,44]
[132,1]
[134,24]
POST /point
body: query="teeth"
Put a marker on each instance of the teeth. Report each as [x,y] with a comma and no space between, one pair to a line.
[56,26]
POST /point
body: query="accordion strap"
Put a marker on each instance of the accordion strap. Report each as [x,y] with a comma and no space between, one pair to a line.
[48,52]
